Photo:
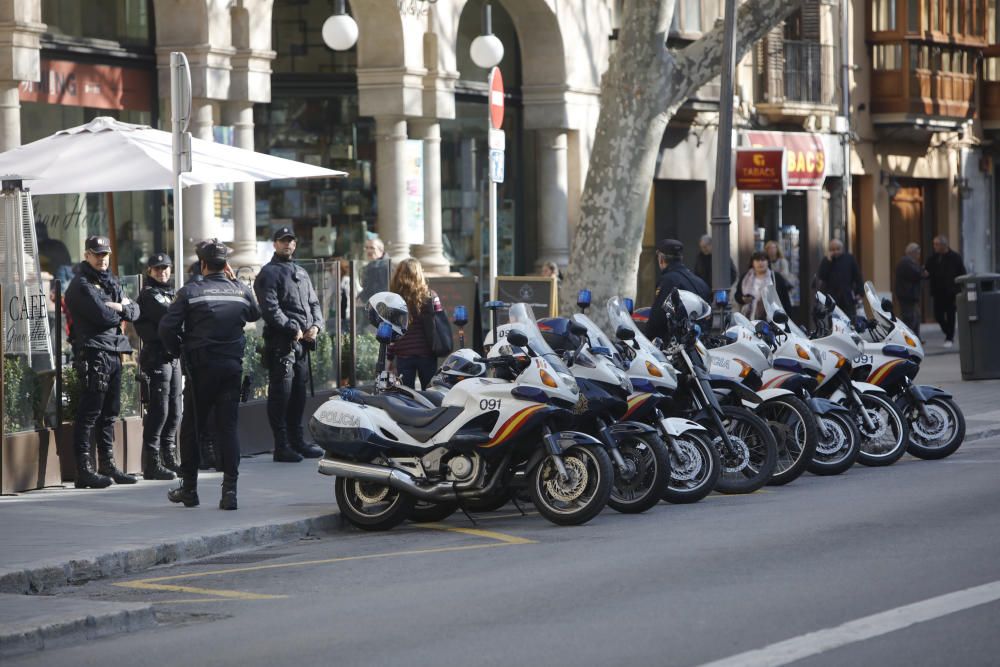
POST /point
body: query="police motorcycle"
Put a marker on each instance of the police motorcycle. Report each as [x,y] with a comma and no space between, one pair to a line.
[890,359]
[745,444]
[801,366]
[882,427]
[740,357]
[387,451]
[694,462]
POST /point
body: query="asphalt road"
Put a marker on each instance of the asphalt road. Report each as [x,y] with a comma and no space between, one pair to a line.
[679,585]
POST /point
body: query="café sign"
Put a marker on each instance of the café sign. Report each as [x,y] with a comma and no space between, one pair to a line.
[760,170]
[805,158]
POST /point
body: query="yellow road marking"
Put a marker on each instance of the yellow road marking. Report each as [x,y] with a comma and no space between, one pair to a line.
[215,592]
[488,534]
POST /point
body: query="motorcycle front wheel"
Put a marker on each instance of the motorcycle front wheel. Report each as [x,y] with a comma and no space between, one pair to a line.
[371,506]
[749,463]
[577,500]
[694,468]
[796,433]
[838,446]
[940,434]
[886,441]
[647,474]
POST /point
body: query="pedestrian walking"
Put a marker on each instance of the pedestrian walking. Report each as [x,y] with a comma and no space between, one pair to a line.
[204,328]
[97,307]
[293,318]
[673,275]
[840,277]
[751,289]
[778,261]
[161,373]
[375,276]
[414,352]
[703,263]
[943,266]
[907,287]
[551,269]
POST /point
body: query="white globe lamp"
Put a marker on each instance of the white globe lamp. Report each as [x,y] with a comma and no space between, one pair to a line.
[340,31]
[486,49]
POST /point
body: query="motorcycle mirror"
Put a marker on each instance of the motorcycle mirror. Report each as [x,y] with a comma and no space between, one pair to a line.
[886,305]
[624,333]
[517,338]
[780,317]
[567,357]
[577,329]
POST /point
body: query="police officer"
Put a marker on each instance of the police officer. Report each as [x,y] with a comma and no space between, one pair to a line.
[161,373]
[292,321]
[673,275]
[97,307]
[206,321]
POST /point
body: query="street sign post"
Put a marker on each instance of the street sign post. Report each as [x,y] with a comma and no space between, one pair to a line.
[497,143]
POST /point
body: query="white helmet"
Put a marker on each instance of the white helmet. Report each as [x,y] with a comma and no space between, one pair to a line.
[390,308]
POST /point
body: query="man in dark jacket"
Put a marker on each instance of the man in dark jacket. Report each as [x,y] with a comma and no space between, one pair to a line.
[97,307]
[161,373]
[293,319]
[907,288]
[673,274]
[840,277]
[703,263]
[942,268]
[207,319]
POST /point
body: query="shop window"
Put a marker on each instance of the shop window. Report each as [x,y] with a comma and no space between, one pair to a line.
[888,56]
[883,15]
[126,22]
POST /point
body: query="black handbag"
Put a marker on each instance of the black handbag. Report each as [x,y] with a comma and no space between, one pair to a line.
[437,329]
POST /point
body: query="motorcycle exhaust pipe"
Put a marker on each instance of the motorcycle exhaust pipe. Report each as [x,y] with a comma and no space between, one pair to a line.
[391,477]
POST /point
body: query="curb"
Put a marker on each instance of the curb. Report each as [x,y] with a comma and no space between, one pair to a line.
[58,627]
[47,576]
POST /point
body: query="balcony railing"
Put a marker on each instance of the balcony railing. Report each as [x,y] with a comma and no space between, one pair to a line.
[918,79]
[798,72]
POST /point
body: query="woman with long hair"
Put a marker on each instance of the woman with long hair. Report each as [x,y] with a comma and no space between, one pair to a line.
[750,289]
[777,259]
[413,354]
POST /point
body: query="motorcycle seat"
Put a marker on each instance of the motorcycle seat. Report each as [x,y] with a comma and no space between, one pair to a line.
[401,410]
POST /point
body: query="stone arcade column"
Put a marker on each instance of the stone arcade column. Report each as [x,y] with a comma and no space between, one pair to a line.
[10,115]
[239,114]
[199,207]
[430,252]
[553,199]
[390,155]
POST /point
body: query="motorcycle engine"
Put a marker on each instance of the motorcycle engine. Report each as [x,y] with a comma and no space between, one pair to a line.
[460,468]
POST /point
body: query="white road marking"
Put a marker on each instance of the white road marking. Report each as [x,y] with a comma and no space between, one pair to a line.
[814,643]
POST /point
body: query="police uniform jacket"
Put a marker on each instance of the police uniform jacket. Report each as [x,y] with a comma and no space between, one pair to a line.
[678,276]
[154,299]
[209,316]
[288,302]
[94,325]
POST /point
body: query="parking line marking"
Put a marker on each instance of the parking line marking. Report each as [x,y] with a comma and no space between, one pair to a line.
[867,627]
[478,532]
[146,585]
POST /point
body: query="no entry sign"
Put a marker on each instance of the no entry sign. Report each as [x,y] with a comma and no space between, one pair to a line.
[496,98]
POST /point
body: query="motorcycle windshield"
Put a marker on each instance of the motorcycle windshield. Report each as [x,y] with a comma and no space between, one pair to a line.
[875,305]
[741,320]
[599,342]
[772,304]
[618,317]
[521,317]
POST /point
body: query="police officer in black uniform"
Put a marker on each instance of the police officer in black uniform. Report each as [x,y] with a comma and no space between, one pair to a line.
[292,320]
[97,307]
[673,275]
[161,373]
[204,327]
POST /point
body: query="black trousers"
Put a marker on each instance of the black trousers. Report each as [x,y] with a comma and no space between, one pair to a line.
[944,313]
[286,395]
[163,412]
[212,389]
[412,367]
[100,375]
[909,313]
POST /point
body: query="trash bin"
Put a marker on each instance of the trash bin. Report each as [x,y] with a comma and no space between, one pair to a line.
[978,322]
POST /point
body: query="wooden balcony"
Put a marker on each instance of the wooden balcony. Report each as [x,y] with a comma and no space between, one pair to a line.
[990,92]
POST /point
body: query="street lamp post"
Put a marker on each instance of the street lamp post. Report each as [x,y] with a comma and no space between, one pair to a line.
[340,31]
[723,166]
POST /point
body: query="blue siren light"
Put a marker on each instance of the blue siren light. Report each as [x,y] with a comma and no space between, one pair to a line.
[583,298]
[461,316]
[384,333]
[629,304]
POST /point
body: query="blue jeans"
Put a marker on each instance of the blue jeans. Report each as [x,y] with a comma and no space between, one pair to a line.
[411,367]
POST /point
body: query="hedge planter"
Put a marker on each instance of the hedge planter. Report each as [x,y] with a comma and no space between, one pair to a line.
[29,461]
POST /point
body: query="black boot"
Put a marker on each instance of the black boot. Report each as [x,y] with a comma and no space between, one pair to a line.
[108,468]
[169,455]
[86,478]
[286,455]
[308,450]
[151,468]
[186,493]
[228,499]
[208,458]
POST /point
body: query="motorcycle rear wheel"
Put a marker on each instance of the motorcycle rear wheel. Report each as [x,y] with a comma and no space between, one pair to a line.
[371,506]
[648,456]
[940,408]
[583,496]
[751,464]
[795,431]
[839,444]
[888,443]
[694,468]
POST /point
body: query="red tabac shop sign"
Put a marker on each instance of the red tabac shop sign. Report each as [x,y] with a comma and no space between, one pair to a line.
[760,170]
[93,86]
[805,159]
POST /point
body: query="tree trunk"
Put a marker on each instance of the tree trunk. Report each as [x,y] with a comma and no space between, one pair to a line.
[644,86]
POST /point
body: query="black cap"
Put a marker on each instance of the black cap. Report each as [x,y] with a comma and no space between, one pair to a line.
[99,245]
[212,249]
[159,259]
[283,233]
[670,248]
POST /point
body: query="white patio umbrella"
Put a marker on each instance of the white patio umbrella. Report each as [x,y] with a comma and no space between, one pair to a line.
[107,155]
